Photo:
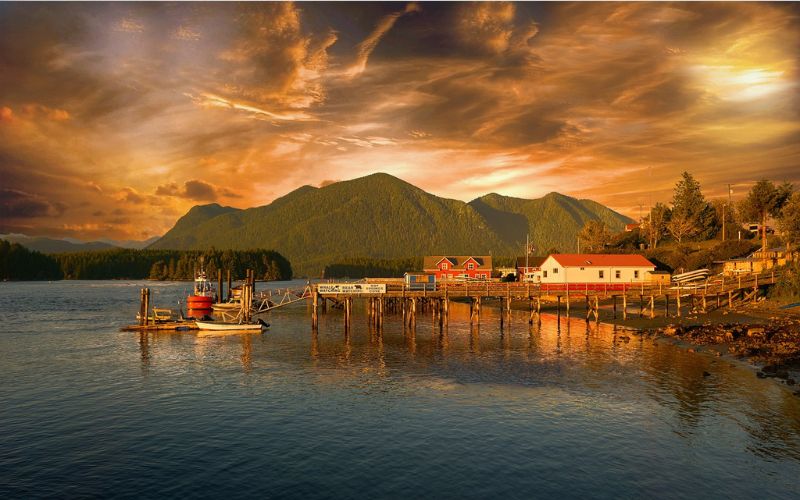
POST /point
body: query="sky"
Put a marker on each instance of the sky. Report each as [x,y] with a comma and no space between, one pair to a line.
[116,118]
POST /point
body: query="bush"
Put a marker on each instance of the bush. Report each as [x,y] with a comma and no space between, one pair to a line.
[789,284]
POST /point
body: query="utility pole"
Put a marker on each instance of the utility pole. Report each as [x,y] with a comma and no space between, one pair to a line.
[527,251]
[730,207]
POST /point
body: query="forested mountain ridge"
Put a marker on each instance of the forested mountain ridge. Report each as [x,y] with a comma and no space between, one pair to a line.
[380,216]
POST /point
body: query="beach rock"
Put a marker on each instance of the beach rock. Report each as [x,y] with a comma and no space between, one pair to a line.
[761,375]
[706,374]
[790,381]
[755,332]
[672,330]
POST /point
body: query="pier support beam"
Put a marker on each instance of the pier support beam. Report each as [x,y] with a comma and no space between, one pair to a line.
[625,307]
[314,312]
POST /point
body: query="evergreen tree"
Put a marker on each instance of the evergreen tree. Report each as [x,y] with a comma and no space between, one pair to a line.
[594,236]
[765,199]
[691,214]
[789,221]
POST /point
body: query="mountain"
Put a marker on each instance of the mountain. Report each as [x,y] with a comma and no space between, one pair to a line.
[68,245]
[552,221]
[135,244]
[380,216]
[50,245]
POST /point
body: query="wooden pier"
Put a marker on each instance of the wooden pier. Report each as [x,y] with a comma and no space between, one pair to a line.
[644,298]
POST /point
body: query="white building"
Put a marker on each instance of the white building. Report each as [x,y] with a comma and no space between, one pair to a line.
[596,268]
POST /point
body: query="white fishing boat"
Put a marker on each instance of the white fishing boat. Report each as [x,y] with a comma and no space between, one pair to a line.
[220,326]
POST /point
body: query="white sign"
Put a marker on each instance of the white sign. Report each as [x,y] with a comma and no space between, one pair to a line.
[328,288]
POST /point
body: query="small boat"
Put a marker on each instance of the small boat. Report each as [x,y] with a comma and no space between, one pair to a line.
[200,303]
[232,327]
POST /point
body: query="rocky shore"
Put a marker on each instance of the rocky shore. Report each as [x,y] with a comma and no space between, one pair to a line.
[762,335]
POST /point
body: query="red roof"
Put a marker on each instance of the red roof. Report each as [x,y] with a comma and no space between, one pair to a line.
[601,260]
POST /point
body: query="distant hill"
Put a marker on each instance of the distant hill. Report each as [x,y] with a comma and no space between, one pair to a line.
[52,245]
[380,216]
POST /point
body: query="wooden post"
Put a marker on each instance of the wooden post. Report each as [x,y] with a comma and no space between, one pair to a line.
[568,300]
[219,286]
[142,310]
[588,307]
[730,299]
[558,305]
[666,306]
[755,287]
[641,306]
[596,309]
[530,310]
[146,306]
[614,309]
[228,298]
[625,306]
[652,307]
[314,317]
[502,312]
[678,302]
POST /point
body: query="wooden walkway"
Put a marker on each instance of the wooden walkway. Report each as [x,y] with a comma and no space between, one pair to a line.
[399,298]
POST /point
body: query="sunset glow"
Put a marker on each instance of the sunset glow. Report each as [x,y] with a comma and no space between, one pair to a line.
[116,118]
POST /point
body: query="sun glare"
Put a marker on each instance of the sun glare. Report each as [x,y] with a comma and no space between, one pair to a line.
[741,84]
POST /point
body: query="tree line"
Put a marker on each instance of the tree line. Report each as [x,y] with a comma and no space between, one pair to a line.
[690,217]
[19,263]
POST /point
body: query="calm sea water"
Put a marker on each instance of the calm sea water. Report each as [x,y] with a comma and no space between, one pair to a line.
[559,410]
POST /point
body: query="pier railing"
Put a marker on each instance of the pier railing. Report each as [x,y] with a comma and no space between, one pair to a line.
[712,286]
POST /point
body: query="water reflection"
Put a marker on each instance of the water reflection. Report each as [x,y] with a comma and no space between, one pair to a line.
[689,391]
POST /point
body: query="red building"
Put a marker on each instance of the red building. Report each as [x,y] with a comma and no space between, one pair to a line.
[454,267]
[532,270]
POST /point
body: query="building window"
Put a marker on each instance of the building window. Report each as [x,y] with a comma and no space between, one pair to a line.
[555,270]
[636,274]
[444,266]
[581,269]
[600,274]
[544,274]
[616,274]
[470,266]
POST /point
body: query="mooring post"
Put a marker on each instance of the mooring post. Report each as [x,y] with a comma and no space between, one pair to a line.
[568,300]
[228,297]
[530,310]
[219,286]
[614,309]
[141,307]
[596,309]
[625,306]
[678,302]
[666,306]
[146,306]
[478,308]
[588,307]
[558,305]
[314,318]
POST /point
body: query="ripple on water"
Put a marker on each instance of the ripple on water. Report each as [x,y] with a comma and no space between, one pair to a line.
[560,409]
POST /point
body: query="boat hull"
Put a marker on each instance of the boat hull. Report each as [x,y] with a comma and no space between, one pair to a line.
[230,327]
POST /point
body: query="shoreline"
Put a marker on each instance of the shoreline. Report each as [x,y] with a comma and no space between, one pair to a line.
[759,335]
